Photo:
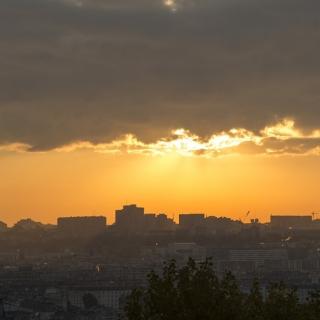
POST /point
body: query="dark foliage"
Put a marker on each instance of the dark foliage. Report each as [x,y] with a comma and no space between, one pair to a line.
[194,292]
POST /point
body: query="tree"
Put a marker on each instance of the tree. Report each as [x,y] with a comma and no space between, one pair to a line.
[134,306]
[190,293]
[197,291]
[311,310]
[282,303]
[254,304]
[161,297]
[194,292]
[231,298]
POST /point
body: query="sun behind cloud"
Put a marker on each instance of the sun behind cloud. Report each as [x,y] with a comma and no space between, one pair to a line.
[280,138]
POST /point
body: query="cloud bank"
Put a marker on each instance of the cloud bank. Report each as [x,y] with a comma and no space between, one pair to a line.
[80,70]
[283,138]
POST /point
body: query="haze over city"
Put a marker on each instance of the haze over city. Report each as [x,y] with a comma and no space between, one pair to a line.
[159,159]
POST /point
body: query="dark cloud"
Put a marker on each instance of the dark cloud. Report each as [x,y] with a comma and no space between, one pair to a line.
[292,146]
[92,70]
[273,146]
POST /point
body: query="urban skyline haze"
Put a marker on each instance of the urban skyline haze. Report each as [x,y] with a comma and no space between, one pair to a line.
[207,104]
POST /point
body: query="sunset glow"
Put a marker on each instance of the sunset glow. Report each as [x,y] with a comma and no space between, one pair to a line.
[176,105]
[180,172]
[146,135]
[281,138]
[171,4]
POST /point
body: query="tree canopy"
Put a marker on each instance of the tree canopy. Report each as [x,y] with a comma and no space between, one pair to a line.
[195,292]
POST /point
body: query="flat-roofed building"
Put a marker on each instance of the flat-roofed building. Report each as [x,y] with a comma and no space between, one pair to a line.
[291,221]
[191,220]
[272,259]
[257,255]
[82,226]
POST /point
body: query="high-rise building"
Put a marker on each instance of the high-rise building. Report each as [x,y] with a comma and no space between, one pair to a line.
[130,218]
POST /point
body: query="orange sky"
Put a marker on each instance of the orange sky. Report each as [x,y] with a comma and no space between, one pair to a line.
[46,185]
[175,105]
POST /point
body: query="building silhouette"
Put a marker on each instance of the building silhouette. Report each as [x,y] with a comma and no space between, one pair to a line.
[82,226]
[133,219]
[293,221]
[190,221]
[130,218]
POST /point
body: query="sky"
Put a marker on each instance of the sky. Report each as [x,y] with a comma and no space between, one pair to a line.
[177,105]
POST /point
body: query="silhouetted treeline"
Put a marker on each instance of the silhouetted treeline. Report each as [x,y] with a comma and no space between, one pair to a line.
[195,292]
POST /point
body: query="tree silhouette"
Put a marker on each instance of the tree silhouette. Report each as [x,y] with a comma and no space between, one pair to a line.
[190,293]
[194,292]
[281,303]
[254,304]
[311,310]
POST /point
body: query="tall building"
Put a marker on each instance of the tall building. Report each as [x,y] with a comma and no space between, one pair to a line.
[82,226]
[130,218]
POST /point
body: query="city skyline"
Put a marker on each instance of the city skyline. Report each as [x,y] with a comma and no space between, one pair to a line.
[207,105]
[159,159]
[245,218]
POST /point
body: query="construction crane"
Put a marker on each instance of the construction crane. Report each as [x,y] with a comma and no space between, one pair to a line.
[243,219]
